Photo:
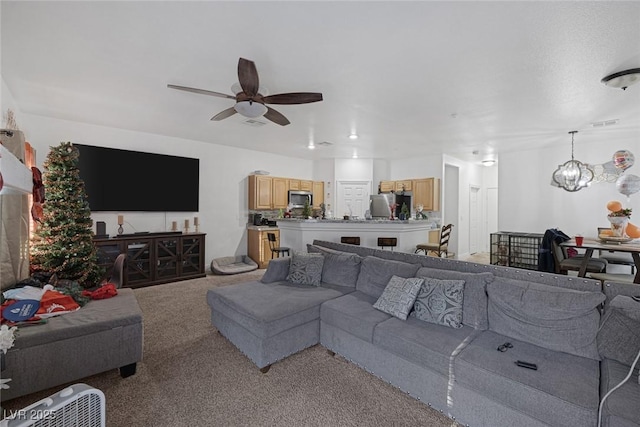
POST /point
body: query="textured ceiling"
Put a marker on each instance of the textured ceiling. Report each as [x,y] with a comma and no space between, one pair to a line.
[411,78]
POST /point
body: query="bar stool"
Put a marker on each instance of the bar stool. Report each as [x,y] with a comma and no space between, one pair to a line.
[276,249]
[390,242]
[350,240]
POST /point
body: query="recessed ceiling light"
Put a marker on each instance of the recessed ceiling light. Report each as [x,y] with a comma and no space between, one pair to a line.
[355,155]
[311,146]
[353,136]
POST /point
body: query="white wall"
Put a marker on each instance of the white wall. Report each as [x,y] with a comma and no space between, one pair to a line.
[7,102]
[528,203]
[223,178]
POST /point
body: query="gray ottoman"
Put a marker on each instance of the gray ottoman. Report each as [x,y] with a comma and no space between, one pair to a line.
[270,321]
[102,335]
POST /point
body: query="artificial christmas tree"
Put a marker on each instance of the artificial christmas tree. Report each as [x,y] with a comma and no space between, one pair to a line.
[63,240]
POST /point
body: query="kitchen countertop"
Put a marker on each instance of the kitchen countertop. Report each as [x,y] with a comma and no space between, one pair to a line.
[361,221]
[261,227]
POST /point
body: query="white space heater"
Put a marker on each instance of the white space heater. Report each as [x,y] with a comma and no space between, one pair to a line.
[76,406]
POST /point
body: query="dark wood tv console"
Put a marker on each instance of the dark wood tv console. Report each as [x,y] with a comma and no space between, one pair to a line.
[155,258]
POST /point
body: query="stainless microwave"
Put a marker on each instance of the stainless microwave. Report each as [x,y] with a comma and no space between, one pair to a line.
[298,198]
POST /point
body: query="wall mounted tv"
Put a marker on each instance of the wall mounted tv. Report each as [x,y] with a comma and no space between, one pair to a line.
[123,180]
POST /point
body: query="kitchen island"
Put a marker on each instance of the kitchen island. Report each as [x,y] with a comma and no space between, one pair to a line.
[296,233]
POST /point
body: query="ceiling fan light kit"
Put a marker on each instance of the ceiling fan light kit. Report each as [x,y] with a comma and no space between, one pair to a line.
[573,175]
[250,101]
[622,79]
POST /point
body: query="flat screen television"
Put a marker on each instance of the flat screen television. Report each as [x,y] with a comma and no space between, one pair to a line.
[123,180]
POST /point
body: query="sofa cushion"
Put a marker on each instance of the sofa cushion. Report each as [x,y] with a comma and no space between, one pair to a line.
[425,344]
[549,316]
[375,274]
[621,407]
[398,297]
[619,334]
[340,268]
[474,306]
[305,269]
[277,270]
[353,313]
[440,302]
[289,305]
[562,391]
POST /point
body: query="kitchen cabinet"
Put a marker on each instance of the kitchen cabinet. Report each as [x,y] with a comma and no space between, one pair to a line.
[279,193]
[294,184]
[306,185]
[426,192]
[404,185]
[260,192]
[155,258]
[258,244]
[387,186]
[318,193]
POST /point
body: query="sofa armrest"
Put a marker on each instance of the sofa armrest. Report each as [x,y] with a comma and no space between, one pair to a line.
[277,270]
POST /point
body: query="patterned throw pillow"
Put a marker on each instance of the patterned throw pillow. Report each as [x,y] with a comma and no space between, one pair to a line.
[398,296]
[440,302]
[305,269]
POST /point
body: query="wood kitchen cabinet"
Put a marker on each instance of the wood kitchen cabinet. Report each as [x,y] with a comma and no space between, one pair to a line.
[387,186]
[318,193]
[426,192]
[258,245]
[279,193]
[306,185]
[404,185]
[266,192]
[260,192]
[294,184]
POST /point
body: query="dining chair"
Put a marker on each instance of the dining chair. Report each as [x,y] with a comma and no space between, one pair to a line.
[564,264]
[440,248]
[273,242]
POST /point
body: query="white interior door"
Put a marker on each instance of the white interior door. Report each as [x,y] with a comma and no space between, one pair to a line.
[474,219]
[492,214]
[353,198]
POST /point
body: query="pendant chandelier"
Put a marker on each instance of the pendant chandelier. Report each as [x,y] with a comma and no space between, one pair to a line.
[573,175]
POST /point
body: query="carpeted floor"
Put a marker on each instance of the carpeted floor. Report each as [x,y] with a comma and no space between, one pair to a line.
[192,376]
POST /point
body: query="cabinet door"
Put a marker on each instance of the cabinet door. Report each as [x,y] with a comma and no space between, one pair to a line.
[192,258]
[167,256]
[306,185]
[260,192]
[426,192]
[280,195]
[387,186]
[266,248]
[404,185]
[140,258]
[318,193]
[294,184]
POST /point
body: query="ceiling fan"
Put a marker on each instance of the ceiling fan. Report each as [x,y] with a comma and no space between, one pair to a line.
[249,101]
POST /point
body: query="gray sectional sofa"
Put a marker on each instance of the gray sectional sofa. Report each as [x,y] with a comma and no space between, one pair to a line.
[463,367]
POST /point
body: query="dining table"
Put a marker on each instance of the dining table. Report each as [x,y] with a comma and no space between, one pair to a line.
[592,244]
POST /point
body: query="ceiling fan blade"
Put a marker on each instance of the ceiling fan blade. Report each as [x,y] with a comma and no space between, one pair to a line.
[248,77]
[276,117]
[224,114]
[293,98]
[201,91]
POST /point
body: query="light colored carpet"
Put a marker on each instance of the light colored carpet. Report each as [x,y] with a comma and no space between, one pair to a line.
[192,376]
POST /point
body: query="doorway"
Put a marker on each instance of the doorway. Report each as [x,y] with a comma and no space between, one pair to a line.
[451,203]
[474,219]
[352,198]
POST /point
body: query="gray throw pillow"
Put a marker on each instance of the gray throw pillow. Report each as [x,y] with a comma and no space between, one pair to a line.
[440,302]
[305,269]
[398,297]
[375,274]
